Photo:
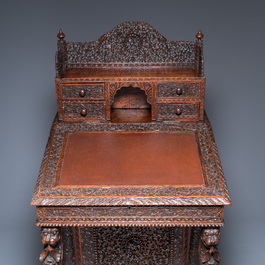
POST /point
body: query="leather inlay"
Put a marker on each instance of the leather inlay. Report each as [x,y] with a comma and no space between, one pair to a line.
[131,158]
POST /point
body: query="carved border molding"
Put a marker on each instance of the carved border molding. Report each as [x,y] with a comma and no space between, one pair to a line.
[130,64]
[130,216]
[132,79]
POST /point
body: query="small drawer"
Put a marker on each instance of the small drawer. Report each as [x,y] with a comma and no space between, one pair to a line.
[84,91]
[177,111]
[178,90]
[87,111]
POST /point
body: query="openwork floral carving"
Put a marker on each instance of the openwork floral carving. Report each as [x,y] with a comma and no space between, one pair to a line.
[130,42]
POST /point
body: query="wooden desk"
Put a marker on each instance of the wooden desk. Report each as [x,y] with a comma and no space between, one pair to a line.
[131,172]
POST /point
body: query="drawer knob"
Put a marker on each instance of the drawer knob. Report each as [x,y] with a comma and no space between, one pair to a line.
[82,93]
[83,112]
[178,111]
[179,91]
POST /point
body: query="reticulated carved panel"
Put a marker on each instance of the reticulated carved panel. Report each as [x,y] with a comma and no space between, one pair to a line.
[88,246]
[131,245]
[176,246]
[194,243]
[68,250]
[85,91]
[83,110]
[178,90]
[136,245]
[131,42]
[175,111]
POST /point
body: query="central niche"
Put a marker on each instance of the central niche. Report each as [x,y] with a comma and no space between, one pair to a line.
[130,105]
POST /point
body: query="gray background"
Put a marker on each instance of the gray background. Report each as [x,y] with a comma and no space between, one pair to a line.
[234,62]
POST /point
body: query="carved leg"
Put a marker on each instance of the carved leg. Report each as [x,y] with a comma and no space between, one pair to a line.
[208,251]
[51,238]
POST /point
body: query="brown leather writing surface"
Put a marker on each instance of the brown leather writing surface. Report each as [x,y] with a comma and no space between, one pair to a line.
[131,158]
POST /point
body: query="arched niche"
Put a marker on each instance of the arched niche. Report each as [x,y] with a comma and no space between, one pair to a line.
[130,104]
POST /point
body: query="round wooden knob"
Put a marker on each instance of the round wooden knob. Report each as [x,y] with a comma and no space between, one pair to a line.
[83,112]
[179,91]
[178,111]
[82,93]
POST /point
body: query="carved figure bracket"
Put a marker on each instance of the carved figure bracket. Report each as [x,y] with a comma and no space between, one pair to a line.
[209,254]
[51,254]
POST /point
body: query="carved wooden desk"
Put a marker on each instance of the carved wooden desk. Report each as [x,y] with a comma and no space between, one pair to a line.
[131,172]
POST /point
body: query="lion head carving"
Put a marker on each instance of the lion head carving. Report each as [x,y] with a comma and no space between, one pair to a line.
[50,236]
[211,237]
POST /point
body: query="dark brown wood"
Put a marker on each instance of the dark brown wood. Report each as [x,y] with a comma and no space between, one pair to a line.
[131,148]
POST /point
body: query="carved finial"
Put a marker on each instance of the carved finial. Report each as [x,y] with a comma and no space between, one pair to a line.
[60,35]
[199,35]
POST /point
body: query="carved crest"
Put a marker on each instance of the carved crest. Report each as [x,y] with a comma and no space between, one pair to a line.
[130,42]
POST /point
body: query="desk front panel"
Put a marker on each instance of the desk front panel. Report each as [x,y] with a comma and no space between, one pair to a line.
[130,246]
